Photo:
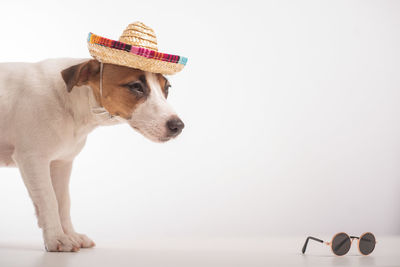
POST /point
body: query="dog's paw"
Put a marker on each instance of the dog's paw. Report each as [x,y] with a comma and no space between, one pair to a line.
[82,240]
[60,242]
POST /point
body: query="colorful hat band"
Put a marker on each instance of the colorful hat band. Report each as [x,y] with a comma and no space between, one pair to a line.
[144,52]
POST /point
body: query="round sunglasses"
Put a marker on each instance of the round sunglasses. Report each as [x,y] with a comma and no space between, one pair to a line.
[341,243]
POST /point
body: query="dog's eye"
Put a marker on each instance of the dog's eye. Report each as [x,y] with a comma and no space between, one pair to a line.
[136,87]
[166,89]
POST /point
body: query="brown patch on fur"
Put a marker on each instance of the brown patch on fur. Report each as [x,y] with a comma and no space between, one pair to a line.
[78,75]
[117,98]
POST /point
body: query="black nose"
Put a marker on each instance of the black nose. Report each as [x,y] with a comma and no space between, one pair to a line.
[175,126]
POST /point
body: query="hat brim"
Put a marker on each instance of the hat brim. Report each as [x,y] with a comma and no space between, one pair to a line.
[119,53]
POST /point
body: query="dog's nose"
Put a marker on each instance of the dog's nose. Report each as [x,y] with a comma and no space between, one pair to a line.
[175,126]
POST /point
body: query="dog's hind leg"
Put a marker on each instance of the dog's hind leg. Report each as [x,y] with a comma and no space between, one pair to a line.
[60,174]
[35,171]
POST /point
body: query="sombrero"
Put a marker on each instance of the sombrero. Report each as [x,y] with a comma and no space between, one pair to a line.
[136,48]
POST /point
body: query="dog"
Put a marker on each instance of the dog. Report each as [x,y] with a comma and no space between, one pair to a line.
[48,108]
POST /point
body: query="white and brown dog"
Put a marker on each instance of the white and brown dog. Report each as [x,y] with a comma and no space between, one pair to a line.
[47,109]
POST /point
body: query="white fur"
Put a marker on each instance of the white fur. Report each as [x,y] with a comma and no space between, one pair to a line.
[43,128]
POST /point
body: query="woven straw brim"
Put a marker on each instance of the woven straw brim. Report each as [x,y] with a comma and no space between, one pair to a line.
[123,58]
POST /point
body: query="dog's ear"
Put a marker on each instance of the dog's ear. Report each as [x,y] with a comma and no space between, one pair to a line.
[80,74]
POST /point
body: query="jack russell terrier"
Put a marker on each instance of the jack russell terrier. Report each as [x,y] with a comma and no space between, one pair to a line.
[48,109]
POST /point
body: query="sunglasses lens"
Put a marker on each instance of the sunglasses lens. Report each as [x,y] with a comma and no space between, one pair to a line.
[341,244]
[367,243]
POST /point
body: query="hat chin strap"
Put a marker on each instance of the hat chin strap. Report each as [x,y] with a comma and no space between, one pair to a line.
[101,110]
[101,80]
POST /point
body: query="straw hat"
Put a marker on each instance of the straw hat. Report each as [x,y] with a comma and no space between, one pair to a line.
[136,48]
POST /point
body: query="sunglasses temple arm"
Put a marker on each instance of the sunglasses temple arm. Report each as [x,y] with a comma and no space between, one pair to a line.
[306,243]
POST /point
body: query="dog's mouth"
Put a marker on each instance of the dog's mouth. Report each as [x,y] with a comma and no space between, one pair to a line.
[154,134]
[164,139]
[158,130]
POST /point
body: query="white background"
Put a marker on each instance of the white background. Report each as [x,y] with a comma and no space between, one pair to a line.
[291,111]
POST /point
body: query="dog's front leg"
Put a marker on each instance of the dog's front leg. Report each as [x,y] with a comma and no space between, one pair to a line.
[60,174]
[35,171]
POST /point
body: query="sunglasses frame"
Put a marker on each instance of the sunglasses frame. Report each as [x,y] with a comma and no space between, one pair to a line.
[333,238]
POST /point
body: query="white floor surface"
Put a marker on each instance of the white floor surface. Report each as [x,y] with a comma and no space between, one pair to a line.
[199,252]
